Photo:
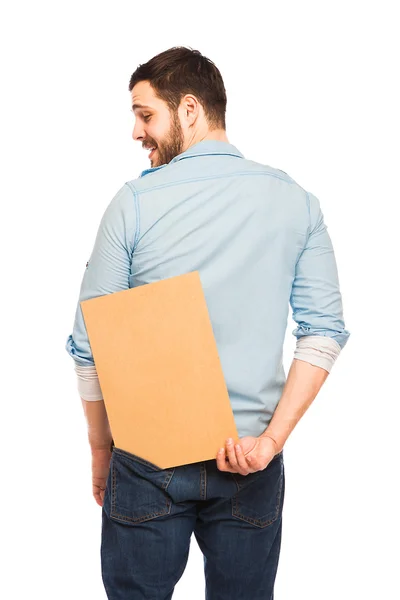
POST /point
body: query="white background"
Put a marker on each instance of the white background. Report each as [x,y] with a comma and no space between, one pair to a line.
[311,90]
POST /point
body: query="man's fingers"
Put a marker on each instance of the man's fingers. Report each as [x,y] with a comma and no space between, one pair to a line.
[237,462]
[221,462]
[98,493]
[244,466]
[232,454]
[97,497]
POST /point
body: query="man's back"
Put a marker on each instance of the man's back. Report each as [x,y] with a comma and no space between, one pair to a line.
[258,241]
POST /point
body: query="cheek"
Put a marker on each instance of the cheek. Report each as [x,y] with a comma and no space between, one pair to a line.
[158,134]
[151,134]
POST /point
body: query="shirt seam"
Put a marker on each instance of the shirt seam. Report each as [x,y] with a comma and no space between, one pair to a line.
[137,213]
[309,214]
[164,185]
[307,236]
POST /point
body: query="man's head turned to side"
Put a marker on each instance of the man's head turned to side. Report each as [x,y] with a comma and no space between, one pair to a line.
[178,99]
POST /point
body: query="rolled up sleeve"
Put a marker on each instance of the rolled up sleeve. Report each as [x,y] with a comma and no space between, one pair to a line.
[316,300]
[108,268]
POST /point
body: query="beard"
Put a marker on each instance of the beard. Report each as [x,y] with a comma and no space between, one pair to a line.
[171,146]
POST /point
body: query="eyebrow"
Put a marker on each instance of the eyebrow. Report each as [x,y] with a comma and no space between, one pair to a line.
[135,106]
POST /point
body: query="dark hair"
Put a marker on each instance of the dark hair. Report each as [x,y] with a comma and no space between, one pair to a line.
[179,71]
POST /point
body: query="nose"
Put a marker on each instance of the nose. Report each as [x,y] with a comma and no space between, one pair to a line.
[138,133]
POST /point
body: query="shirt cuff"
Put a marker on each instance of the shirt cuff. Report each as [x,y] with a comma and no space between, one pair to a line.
[88,383]
[318,350]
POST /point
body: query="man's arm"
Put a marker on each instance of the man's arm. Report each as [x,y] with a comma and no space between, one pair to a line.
[302,385]
[99,432]
[317,309]
[106,272]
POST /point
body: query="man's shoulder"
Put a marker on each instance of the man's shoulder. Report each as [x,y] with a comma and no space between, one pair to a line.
[264,168]
[170,174]
[291,190]
[149,178]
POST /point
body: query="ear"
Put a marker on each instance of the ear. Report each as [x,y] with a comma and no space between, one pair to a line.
[191,108]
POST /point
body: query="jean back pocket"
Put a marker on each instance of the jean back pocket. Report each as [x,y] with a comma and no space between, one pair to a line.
[137,488]
[259,498]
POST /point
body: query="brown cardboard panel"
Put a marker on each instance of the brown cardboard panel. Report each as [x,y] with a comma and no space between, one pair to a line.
[159,371]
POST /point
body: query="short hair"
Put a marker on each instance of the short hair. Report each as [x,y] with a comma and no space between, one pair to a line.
[180,71]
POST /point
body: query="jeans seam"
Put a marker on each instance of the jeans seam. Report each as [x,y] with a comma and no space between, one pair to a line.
[144,517]
[168,478]
[202,481]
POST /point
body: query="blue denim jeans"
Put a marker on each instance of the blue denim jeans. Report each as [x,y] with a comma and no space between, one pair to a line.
[149,515]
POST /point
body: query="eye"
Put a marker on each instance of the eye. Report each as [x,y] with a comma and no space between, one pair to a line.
[147,118]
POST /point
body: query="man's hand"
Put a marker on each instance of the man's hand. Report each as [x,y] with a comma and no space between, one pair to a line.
[100,469]
[248,455]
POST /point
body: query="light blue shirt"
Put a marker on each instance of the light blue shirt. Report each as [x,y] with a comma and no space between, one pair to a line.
[260,244]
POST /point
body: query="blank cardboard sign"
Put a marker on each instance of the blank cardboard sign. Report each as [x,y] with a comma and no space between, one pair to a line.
[159,371]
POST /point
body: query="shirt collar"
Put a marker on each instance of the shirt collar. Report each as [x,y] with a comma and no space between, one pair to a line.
[203,148]
[208,147]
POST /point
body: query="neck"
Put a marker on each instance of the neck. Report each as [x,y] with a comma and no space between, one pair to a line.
[215,134]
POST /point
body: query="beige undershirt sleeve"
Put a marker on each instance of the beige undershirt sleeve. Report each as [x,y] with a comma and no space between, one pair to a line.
[318,350]
[88,383]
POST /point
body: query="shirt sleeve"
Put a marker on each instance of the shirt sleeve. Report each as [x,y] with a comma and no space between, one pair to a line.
[320,351]
[316,299]
[108,268]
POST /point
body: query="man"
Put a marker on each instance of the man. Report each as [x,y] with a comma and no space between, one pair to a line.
[259,243]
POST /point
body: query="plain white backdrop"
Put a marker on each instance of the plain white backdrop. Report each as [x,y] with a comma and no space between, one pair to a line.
[311,90]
